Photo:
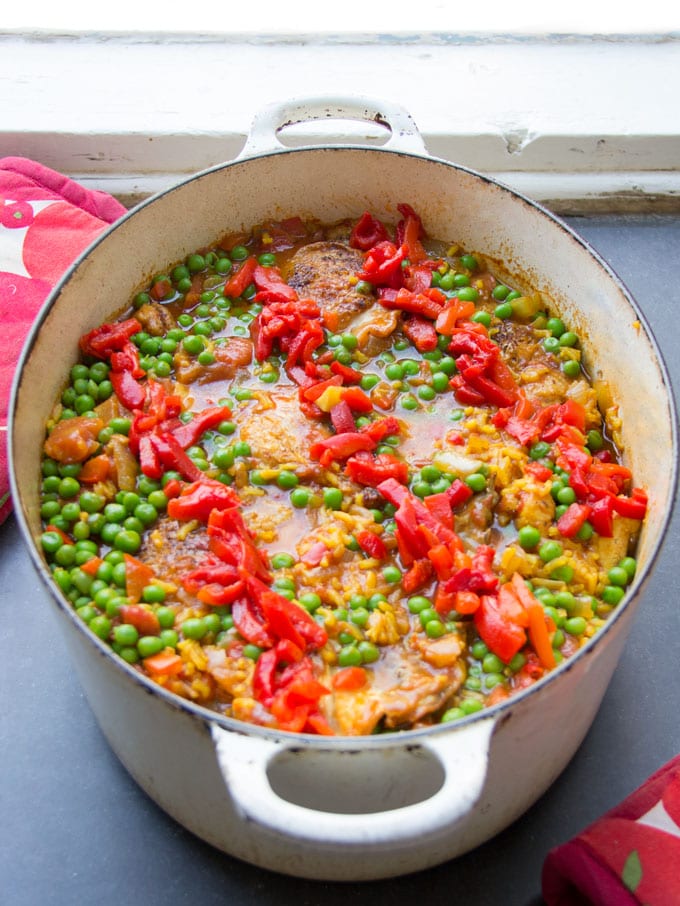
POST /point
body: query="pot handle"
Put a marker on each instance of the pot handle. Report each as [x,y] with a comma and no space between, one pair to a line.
[264,131]
[462,758]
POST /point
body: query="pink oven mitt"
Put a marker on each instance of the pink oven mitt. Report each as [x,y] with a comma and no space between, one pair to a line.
[46,221]
[628,857]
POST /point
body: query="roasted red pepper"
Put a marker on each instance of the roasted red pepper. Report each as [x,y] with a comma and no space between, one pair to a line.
[190,433]
[421,333]
[242,279]
[382,265]
[199,499]
[371,544]
[503,637]
[372,470]
[367,232]
[108,338]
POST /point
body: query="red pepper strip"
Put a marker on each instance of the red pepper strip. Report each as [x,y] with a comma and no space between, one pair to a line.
[538,471]
[633,507]
[409,231]
[233,543]
[440,507]
[441,559]
[418,277]
[264,677]
[602,516]
[503,637]
[107,338]
[172,456]
[188,434]
[493,393]
[571,521]
[313,392]
[367,232]
[242,279]
[220,595]
[466,602]
[348,375]
[128,390]
[398,495]
[382,428]
[62,534]
[371,544]
[271,286]
[291,621]
[342,418]
[137,576]
[458,493]
[427,303]
[199,499]
[454,310]
[148,459]
[127,359]
[421,333]
[538,630]
[310,337]
[417,576]
[91,566]
[145,621]
[250,624]
[464,394]
[349,679]
[382,265]
[371,470]
[341,446]
[357,400]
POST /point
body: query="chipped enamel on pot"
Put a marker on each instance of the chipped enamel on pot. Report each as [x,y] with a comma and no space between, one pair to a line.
[350,808]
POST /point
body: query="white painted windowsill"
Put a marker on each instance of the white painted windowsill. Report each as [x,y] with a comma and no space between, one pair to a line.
[581,123]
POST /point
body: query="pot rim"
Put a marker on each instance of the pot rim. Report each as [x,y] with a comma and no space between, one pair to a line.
[206,716]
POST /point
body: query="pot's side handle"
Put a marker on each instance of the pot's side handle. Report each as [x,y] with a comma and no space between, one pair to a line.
[462,755]
[263,136]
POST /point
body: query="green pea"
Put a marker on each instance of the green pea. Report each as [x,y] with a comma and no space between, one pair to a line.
[310,601]
[282,560]
[153,594]
[332,498]
[479,649]
[392,574]
[69,487]
[287,480]
[468,294]
[571,368]
[566,495]
[146,513]
[127,541]
[241,448]
[476,482]
[568,338]
[435,629]
[408,402]
[148,645]
[630,566]
[563,573]
[125,634]
[492,664]
[482,317]
[440,382]
[394,371]
[551,344]
[469,261]
[451,714]
[594,440]
[426,392]
[617,575]
[194,628]
[369,381]
[349,656]
[503,311]
[549,550]
[51,542]
[575,625]
[585,533]
[300,497]
[612,594]
[158,500]
[369,652]
[528,537]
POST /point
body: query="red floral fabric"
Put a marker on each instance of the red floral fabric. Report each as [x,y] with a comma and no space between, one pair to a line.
[46,221]
[629,857]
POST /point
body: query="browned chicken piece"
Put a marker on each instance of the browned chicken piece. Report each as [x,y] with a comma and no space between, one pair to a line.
[611,550]
[229,357]
[406,685]
[323,271]
[169,556]
[537,371]
[474,523]
[281,435]
[529,503]
[155,318]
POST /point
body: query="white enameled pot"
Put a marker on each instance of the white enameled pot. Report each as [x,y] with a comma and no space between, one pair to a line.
[350,808]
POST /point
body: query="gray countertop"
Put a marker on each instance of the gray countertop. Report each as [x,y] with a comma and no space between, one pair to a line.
[75,828]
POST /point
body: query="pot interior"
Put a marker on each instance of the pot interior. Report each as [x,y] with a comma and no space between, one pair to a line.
[334,183]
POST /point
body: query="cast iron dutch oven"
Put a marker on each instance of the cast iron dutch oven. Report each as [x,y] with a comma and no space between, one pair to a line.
[350,808]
